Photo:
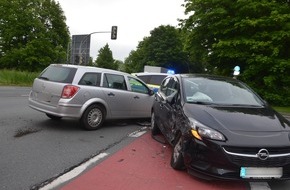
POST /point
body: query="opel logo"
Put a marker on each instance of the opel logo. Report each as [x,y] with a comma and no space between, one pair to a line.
[263,154]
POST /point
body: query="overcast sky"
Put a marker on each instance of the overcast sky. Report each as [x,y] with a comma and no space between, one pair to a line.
[134,18]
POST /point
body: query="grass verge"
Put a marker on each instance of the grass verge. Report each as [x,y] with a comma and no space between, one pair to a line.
[17,78]
[285,110]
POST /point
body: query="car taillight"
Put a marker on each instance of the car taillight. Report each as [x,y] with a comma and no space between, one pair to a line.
[69,91]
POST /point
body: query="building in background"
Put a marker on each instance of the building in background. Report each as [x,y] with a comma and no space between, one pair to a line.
[80,49]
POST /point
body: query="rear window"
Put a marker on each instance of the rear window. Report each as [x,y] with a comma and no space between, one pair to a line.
[152,79]
[58,74]
[157,79]
[145,78]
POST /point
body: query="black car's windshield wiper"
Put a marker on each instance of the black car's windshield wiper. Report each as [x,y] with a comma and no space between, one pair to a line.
[201,102]
[245,105]
[44,78]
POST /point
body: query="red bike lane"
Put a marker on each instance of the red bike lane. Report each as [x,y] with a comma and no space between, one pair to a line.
[143,164]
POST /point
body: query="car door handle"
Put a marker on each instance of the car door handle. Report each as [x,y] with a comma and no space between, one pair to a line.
[111,94]
[136,97]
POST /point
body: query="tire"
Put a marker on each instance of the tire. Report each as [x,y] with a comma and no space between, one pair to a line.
[154,128]
[53,117]
[93,118]
[177,161]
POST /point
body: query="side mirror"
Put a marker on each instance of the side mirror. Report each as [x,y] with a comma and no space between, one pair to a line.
[151,92]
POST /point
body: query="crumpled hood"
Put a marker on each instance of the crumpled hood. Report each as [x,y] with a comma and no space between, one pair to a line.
[242,119]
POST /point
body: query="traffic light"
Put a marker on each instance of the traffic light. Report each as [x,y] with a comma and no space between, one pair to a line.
[114,32]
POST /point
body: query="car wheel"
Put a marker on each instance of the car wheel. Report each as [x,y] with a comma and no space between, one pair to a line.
[177,161]
[93,117]
[154,128]
[53,117]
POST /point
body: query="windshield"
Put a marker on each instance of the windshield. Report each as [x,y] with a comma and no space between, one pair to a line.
[212,91]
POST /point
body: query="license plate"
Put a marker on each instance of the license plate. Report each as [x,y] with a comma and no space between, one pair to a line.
[263,173]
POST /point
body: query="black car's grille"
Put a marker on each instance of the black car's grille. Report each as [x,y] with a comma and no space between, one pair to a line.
[270,162]
[241,156]
[286,172]
[248,150]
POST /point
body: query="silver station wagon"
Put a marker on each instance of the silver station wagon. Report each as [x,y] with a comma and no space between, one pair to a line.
[90,94]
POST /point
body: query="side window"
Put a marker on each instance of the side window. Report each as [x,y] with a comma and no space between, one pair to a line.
[91,79]
[172,87]
[145,78]
[169,87]
[137,86]
[164,86]
[114,81]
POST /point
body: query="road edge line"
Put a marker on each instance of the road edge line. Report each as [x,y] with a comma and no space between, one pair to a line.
[73,173]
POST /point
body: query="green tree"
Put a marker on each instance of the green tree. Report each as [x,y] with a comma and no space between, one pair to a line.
[33,34]
[135,61]
[121,65]
[105,59]
[162,48]
[254,34]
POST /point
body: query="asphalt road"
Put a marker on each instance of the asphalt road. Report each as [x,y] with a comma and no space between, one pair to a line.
[35,149]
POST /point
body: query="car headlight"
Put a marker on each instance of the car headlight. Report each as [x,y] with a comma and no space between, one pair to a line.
[201,131]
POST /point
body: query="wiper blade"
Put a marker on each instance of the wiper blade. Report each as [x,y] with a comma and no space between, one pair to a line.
[201,103]
[44,78]
[245,105]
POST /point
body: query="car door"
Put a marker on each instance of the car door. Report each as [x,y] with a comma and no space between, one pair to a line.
[117,96]
[169,107]
[166,110]
[142,98]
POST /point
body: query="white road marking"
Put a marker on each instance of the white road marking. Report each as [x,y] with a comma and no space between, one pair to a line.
[137,134]
[73,173]
[259,186]
[78,170]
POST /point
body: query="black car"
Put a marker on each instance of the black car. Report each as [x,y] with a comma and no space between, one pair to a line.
[221,129]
